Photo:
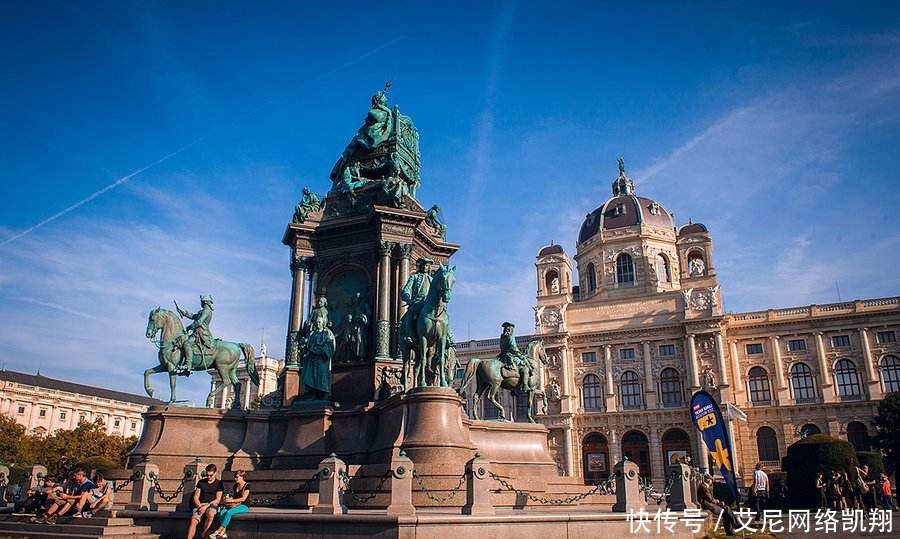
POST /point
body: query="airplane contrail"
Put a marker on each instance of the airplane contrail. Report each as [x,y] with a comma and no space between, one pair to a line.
[127,177]
[95,194]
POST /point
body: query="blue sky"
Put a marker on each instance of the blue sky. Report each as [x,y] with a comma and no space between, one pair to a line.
[775,124]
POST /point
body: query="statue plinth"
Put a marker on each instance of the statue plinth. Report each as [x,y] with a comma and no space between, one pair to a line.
[434,432]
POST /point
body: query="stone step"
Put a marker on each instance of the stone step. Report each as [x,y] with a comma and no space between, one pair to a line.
[57,535]
[74,526]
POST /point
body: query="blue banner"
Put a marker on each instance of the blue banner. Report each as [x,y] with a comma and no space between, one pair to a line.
[708,419]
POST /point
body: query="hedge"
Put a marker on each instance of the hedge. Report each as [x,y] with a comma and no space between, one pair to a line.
[806,458]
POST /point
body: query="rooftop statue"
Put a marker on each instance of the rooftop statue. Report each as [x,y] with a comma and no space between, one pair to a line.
[384,153]
[308,204]
[180,354]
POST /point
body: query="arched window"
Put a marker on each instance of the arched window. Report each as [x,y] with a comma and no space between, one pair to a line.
[858,436]
[847,379]
[676,447]
[890,373]
[591,277]
[551,282]
[808,430]
[595,458]
[590,393]
[760,391]
[767,444]
[636,447]
[670,387]
[802,383]
[624,269]
[631,390]
[663,273]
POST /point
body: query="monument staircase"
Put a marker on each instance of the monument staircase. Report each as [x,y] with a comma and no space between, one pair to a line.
[97,527]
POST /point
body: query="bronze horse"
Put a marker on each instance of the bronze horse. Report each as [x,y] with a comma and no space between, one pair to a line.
[430,348]
[489,379]
[224,357]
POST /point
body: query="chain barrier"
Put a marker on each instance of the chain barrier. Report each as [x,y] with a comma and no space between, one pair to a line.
[604,487]
[439,499]
[134,477]
[168,498]
[345,481]
[650,493]
[302,488]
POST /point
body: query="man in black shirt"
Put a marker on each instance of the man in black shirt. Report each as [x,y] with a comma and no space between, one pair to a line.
[206,500]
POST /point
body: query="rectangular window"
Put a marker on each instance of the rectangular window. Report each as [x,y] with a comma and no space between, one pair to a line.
[82,418]
[887,336]
[666,350]
[133,425]
[796,345]
[626,353]
[589,357]
[116,423]
[21,409]
[62,416]
[840,341]
[754,348]
[42,413]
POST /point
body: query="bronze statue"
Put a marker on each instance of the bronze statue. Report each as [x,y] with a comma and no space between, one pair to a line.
[199,334]
[413,294]
[490,377]
[513,359]
[224,356]
[425,337]
[320,346]
[432,218]
[308,204]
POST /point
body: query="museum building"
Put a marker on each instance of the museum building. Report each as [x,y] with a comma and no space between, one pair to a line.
[635,325]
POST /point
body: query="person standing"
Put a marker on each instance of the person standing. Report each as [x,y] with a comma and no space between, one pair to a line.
[235,504]
[821,486]
[887,498]
[205,500]
[760,489]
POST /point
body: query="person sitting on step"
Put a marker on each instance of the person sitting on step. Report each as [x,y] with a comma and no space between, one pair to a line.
[205,501]
[96,499]
[82,487]
[233,505]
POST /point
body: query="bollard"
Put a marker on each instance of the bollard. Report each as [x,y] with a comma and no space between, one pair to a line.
[478,492]
[193,473]
[4,484]
[680,494]
[401,486]
[331,471]
[142,487]
[628,490]
[36,474]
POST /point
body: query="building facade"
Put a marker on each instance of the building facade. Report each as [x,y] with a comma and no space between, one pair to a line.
[634,325]
[44,405]
[265,395]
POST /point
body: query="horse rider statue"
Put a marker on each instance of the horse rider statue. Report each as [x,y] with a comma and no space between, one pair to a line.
[413,294]
[198,333]
[513,359]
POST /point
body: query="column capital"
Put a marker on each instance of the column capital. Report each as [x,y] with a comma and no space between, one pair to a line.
[385,247]
[776,337]
[404,250]
[300,262]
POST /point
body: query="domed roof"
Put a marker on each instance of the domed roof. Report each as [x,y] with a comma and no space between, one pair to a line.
[624,209]
[551,250]
[692,228]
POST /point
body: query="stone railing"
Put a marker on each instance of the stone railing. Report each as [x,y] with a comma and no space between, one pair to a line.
[816,311]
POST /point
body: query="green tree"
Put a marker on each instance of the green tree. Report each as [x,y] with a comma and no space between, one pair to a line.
[87,443]
[12,437]
[887,425]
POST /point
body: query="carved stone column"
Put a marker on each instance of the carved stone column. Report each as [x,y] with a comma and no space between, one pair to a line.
[610,387]
[383,324]
[299,266]
[565,384]
[615,448]
[724,386]
[781,386]
[691,363]
[702,453]
[657,462]
[649,382]
[824,375]
[403,252]
[738,385]
[875,392]
[568,440]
